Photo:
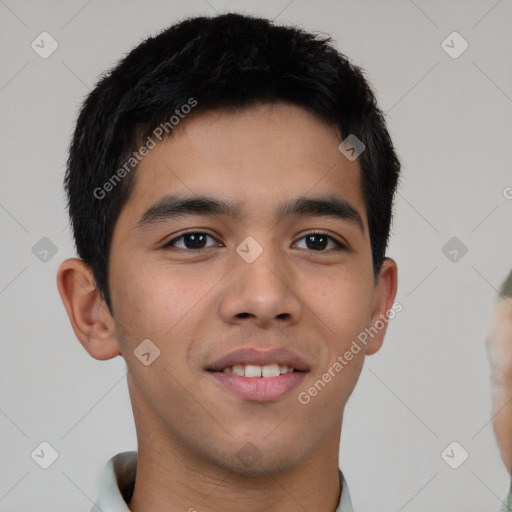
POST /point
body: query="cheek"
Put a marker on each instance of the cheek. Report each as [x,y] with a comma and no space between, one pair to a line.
[156,302]
[158,305]
[343,302]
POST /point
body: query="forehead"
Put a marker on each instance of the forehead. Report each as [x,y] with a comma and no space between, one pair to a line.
[258,157]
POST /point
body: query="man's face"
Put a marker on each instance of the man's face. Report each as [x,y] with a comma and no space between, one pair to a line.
[199,299]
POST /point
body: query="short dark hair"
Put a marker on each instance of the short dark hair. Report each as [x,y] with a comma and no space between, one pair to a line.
[225,62]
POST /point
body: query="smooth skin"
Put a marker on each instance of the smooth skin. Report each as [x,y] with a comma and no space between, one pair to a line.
[198,304]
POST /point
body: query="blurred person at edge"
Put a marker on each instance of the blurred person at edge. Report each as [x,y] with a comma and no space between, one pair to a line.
[499,349]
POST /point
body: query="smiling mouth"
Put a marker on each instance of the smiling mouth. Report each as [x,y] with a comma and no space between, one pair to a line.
[253,370]
[255,383]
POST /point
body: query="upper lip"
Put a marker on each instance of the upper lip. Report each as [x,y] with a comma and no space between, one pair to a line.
[280,356]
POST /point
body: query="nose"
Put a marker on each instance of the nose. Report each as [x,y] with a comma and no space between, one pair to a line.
[264,292]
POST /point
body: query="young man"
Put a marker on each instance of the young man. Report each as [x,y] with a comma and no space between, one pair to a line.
[230,188]
[499,349]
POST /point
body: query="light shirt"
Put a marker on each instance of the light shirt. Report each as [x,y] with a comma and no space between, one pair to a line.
[118,480]
[507,504]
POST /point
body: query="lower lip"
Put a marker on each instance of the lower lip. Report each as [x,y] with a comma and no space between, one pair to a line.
[260,389]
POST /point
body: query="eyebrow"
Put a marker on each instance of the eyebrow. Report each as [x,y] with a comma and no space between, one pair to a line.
[176,206]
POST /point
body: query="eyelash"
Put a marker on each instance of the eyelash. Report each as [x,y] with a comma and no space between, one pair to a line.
[169,245]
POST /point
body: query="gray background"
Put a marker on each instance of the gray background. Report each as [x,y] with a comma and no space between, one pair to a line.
[429,385]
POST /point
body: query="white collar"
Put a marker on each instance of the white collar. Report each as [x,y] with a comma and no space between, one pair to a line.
[118,479]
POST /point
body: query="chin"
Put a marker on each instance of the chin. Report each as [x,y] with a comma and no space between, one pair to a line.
[256,460]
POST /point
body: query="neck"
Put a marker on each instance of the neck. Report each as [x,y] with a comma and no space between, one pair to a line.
[168,482]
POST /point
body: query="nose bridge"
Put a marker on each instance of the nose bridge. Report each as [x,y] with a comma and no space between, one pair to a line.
[261,284]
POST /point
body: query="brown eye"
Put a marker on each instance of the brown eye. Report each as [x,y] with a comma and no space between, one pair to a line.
[190,241]
[319,241]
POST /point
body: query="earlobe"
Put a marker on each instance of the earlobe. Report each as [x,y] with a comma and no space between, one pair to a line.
[383,311]
[89,316]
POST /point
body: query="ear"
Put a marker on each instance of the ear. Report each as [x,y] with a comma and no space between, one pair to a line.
[90,318]
[383,310]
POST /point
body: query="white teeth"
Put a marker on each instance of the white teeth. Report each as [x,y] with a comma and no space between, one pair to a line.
[252,370]
[271,370]
[238,369]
